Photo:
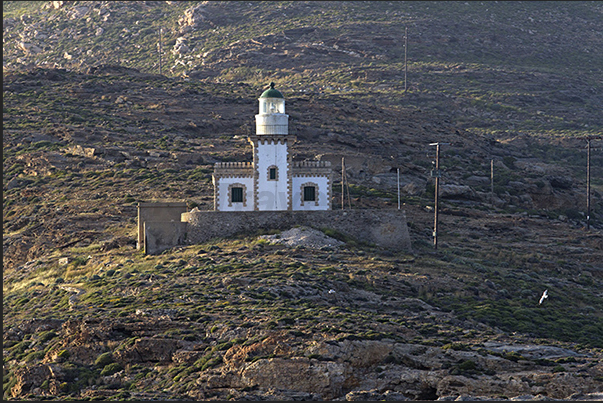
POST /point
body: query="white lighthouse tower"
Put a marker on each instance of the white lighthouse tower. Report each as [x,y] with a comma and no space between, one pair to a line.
[271,158]
[272,182]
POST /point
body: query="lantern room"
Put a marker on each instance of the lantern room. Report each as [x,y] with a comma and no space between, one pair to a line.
[272,101]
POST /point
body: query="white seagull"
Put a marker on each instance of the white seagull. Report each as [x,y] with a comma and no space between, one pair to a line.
[544,295]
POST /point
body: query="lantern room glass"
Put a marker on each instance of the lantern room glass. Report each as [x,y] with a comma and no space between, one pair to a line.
[272,105]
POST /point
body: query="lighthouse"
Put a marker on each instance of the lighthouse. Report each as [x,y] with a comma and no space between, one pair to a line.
[272,181]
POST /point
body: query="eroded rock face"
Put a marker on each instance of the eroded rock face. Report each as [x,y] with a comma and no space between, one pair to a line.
[284,366]
[297,373]
[360,354]
[148,349]
[28,378]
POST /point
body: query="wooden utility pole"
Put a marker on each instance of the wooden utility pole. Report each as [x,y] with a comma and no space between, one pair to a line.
[437,174]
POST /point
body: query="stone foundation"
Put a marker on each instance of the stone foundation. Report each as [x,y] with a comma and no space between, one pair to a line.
[164,225]
[384,228]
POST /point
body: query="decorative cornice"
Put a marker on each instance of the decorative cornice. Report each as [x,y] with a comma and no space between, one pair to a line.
[313,164]
[221,165]
[233,169]
[271,139]
[233,175]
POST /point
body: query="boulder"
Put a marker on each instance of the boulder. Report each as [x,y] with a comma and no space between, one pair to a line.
[193,17]
[561,182]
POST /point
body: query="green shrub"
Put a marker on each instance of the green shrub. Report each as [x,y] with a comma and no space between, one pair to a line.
[559,368]
[212,363]
[34,356]
[574,214]
[64,354]
[465,367]
[509,161]
[45,336]
[111,369]
[104,359]
[456,346]
[79,261]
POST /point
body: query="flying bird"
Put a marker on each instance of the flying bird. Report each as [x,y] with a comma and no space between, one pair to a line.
[544,295]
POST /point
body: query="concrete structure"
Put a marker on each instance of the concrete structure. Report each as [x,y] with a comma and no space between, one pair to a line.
[272,182]
[160,224]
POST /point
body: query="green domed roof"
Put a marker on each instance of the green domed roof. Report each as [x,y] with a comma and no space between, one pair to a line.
[272,93]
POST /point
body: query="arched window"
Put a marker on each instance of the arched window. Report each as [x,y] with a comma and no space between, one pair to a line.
[309,193]
[272,173]
[237,193]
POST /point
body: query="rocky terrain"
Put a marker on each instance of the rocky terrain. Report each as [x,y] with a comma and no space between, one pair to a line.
[91,126]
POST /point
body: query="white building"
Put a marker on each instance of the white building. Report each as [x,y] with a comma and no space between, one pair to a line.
[272,181]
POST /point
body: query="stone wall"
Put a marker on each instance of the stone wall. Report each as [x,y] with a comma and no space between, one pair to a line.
[384,228]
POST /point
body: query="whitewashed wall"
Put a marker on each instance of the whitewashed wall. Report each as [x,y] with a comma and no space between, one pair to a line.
[224,194]
[324,201]
[272,195]
[277,123]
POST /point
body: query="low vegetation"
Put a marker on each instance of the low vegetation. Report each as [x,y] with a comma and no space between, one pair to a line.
[88,134]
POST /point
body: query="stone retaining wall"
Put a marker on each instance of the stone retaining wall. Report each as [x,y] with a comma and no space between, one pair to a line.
[384,228]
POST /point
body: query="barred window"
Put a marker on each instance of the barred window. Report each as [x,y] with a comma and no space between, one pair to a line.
[309,193]
[236,195]
[272,174]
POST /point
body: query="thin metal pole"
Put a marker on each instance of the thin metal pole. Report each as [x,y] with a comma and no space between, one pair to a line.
[398,170]
[347,185]
[405,63]
[160,32]
[437,191]
[437,175]
[588,185]
[492,181]
[342,182]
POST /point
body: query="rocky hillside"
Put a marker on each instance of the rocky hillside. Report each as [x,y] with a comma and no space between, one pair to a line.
[91,126]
